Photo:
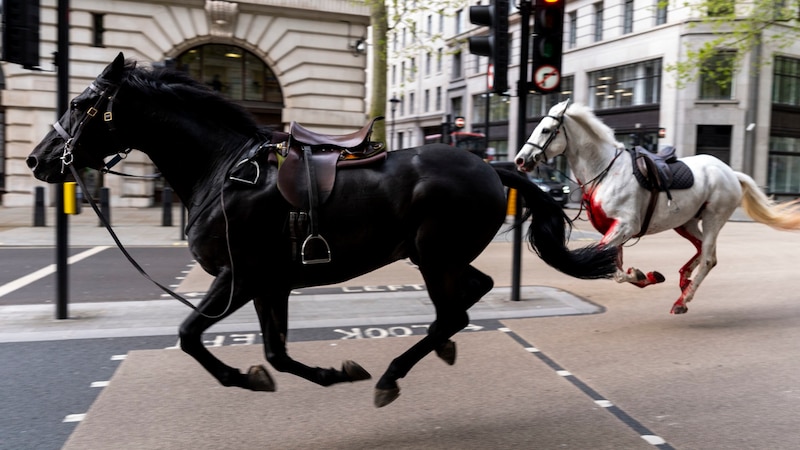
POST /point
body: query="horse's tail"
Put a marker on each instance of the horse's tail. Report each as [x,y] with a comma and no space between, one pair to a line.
[781,216]
[547,232]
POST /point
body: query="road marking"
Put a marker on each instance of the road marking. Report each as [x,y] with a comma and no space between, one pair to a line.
[12,286]
[74,418]
[99,384]
[622,416]
[118,357]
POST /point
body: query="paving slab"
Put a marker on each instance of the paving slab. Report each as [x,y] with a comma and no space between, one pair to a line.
[496,396]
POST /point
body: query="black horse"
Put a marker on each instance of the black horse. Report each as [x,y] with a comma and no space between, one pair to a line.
[436,205]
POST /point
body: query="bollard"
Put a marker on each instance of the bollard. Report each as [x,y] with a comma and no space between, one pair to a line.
[183,223]
[166,213]
[39,219]
[105,205]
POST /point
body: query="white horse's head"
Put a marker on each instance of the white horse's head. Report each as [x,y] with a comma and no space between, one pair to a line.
[546,141]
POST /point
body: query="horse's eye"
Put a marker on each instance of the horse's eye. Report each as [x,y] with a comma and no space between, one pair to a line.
[546,131]
[73,105]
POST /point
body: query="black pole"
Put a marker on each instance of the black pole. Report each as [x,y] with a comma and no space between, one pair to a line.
[62,225]
[166,212]
[522,107]
[39,217]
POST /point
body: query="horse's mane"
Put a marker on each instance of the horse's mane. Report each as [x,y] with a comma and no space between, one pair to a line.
[170,87]
[598,131]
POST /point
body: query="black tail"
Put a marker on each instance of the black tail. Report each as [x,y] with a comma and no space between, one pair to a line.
[547,232]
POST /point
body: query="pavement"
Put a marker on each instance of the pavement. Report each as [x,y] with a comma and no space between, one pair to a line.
[607,367]
[398,285]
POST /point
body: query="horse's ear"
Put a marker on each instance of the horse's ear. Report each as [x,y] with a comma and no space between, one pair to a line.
[113,72]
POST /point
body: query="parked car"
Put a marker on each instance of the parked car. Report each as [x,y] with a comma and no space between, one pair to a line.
[551,182]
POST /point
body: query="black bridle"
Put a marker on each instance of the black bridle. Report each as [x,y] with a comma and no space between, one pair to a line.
[72,132]
[554,132]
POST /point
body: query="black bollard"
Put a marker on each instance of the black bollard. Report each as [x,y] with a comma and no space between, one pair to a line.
[105,205]
[39,219]
[166,213]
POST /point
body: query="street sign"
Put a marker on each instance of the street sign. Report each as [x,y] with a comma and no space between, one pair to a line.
[460,122]
[546,78]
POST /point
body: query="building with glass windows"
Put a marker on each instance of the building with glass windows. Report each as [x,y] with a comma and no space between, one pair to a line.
[615,57]
[282,60]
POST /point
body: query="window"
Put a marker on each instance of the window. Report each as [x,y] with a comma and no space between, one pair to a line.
[627,19]
[629,85]
[784,166]
[459,20]
[233,71]
[498,108]
[426,101]
[539,104]
[720,8]
[716,76]
[661,11]
[411,103]
[428,63]
[572,20]
[786,83]
[715,140]
[97,29]
[457,106]
[598,22]
[458,69]
[439,60]
[438,105]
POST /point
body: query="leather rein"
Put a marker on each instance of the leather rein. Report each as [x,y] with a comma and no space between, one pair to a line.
[67,159]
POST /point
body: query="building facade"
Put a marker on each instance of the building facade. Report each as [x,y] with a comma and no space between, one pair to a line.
[616,54]
[283,60]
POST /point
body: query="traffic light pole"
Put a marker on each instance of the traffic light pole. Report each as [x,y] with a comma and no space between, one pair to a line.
[522,106]
[62,224]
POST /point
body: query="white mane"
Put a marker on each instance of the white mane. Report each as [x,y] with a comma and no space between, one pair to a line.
[585,118]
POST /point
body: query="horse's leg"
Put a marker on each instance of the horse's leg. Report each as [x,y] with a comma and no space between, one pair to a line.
[219,303]
[616,235]
[273,316]
[690,231]
[452,293]
[712,224]
[477,285]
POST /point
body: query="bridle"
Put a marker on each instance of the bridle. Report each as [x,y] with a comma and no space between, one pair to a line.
[553,133]
[105,100]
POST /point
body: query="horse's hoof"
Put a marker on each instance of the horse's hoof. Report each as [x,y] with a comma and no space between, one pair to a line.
[354,371]
[385,396]
[447,352]
[258,379]
[679,309]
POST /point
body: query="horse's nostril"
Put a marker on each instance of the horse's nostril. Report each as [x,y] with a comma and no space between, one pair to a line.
[32,162]
[519,161]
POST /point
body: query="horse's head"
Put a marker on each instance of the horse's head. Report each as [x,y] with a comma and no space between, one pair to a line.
[83,136]
[546,141]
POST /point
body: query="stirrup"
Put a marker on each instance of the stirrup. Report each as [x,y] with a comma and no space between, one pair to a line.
[318,246]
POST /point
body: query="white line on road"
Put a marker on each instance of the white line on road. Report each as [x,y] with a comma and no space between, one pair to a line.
[12,286]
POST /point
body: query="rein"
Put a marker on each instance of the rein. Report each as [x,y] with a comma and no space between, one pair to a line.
[67,159]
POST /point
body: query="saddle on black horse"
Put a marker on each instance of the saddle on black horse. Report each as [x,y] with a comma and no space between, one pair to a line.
[307,165]
[659,172]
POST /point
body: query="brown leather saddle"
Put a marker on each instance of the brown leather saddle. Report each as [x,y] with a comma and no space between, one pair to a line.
[307,165]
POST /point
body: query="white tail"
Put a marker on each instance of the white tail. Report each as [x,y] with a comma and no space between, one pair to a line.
[782,216]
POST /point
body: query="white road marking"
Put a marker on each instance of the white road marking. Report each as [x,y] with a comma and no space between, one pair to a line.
[604,403]
[118,357]
[99,384]
[74,418]
[653,440]
[563,373]
[21,282]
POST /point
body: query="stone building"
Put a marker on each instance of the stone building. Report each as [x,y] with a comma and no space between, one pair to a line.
[283,60]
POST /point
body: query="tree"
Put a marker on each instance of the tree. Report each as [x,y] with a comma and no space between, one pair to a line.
[738,29]
[385,19]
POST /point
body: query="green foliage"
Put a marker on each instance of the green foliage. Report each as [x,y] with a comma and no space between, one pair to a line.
[737,28]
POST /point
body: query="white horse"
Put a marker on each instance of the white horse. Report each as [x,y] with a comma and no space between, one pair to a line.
[618,206]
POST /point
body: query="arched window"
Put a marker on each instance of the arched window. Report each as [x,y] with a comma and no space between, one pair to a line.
[237,74]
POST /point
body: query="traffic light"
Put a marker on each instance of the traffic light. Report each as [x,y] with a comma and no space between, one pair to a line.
[548,29]
[496,44]
[21,32]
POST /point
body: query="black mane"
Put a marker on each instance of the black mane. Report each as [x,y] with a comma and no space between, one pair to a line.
[176,89]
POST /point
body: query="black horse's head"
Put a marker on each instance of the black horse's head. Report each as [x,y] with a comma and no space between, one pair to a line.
[83,136]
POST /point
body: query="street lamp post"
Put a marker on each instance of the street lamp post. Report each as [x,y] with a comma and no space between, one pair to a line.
[394,101]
